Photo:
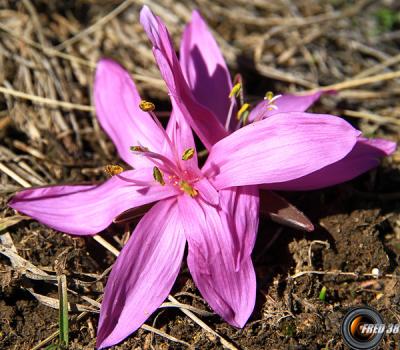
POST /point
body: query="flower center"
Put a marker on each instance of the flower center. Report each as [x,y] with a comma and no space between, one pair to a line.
[185,182]
[169,170]
[187,188]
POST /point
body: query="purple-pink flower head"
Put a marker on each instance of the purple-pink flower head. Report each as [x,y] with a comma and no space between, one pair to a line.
[278,133]
[214,209]
[189,209]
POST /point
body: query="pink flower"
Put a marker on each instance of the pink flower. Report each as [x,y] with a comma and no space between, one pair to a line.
[188,210]
[275,149]
[214,209]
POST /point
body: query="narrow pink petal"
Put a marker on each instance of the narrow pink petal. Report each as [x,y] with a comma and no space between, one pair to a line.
[229,289]
[240,207]
[202,120]
[280,148]
[87,210]
[283,212]
[181,136]
[204,67]
[117,106]
[285,103]
[366,154]
[143,274]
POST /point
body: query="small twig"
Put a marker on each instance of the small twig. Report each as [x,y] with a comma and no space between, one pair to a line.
[188,307]
[356,82]
[203,325]
[106,245]
[48,50]
[14,176]
[372,117]
[379,67]
[340,273]
[91,29]
[276,74]
[159,83]
[165,335]
[45,100]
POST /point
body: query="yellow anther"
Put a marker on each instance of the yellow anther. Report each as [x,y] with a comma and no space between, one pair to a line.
[188,154]
[186,187]
[242,111]
[158,176]
[146,106]
[111,170]
[139,149]
[269,96]
[235,90]
[245,118]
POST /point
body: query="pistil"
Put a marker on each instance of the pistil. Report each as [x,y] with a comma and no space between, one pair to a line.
[232,95]
[187,188]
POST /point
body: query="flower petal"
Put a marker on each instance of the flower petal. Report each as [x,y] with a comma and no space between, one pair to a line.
[87,210]
[229,289]
[207,191]
[365,155]
[117,106]
[280,148]
[285,103]
[205,124]
[204,68]
[143,274]
[181,136]
[283,212]
[240,206]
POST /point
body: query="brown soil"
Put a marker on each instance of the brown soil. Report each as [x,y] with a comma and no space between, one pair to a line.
[357,223]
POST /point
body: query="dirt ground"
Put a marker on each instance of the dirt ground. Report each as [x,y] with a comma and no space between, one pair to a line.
[48,49]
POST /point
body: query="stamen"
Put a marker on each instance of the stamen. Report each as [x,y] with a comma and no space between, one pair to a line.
[245,117]
[269,105]
[112,170]
[146,106]
[149,107]
[238,79]
[275,98]
[188,154]
[158,176]
[139,149]
[242,111]
[270,98]
[186,187]
[235,90]
[269,95]
[156,158]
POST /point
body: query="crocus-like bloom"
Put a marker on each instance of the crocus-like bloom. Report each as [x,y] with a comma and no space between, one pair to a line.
[274,150]
[188,210]
[214,209]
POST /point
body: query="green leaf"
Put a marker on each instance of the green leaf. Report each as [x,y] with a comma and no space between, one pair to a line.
[63,311]
[322,294]
[387,19]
